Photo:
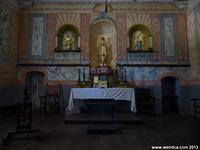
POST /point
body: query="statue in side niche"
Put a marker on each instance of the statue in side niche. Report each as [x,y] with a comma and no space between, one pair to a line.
[138,40]
[138,44]
[68,40]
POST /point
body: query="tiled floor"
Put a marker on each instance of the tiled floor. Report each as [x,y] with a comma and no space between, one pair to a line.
[167,129]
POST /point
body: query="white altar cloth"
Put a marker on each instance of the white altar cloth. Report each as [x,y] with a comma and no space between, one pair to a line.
[127,94]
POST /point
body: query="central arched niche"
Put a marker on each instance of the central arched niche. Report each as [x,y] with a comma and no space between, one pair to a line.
[103,28]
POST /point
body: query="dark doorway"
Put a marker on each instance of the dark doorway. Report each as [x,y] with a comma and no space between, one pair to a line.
[170,94]
[35,83]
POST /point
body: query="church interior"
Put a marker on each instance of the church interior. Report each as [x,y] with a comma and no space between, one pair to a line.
[99,74]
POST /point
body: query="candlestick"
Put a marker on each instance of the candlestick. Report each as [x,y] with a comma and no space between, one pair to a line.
[122,74]
[84,74]
[116,74]
[79,75]
[125,77]
[90,74]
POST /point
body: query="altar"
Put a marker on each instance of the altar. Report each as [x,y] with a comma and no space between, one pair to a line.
[82,94]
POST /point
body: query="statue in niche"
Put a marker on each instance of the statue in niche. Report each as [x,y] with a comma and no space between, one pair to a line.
[68,40]
[138,40]
[102,48]
[138,44]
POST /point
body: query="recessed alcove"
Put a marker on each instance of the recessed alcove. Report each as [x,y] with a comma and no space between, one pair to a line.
[67,39]
[140,38]
[103,26]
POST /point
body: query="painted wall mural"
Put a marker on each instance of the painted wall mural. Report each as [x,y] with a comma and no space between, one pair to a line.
[67,73]
[152,73]
[140,57]
[168,28]
[169,38]
[69,56]
[133,73]
[37,35]
[5,40]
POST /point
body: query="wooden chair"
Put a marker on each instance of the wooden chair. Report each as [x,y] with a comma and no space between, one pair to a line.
[50,101]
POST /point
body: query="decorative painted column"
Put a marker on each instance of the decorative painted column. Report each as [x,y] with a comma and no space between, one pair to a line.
[51,35]
[182,36]
[24,36]
[84,35]
[121,36]
[155,29]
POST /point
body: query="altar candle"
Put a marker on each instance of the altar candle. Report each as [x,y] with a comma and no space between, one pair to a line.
[56,42]
[79,42]
[150,42]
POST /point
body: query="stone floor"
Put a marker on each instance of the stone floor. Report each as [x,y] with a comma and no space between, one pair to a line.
[167,129]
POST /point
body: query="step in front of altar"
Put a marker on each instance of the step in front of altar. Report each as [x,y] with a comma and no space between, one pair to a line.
[102,128]
[106,118]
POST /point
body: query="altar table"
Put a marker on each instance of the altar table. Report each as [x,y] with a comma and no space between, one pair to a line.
[126,94]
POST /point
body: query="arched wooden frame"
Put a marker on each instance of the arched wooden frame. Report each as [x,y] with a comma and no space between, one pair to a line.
[147,36]
[60,35]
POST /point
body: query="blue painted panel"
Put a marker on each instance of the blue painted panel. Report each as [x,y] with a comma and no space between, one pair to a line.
[138,57]
[67,73]
[37,36]
[70,56]
[152,73]
[169,49]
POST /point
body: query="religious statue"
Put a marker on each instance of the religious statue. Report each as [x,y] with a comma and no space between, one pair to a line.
[68,40]
[102,48]
[138,44]
[138,40]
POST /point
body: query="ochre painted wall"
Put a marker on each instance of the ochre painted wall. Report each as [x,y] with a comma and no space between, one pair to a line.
[193,45]
[9,33]
[82,20]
